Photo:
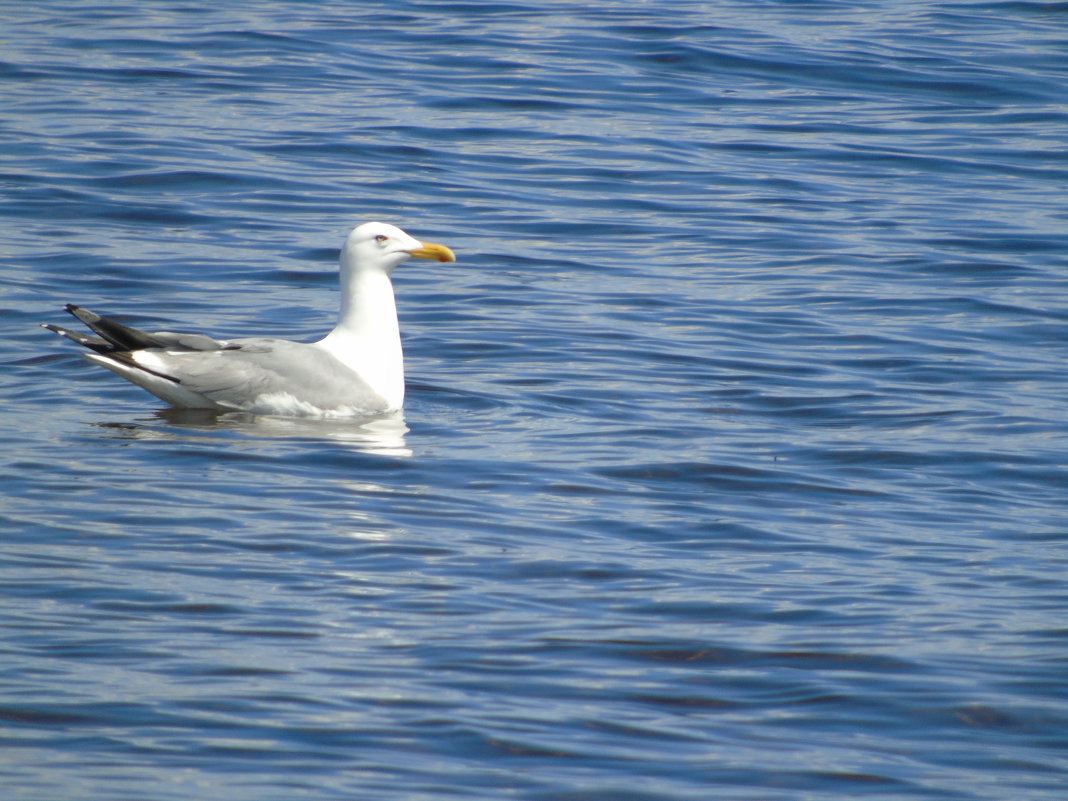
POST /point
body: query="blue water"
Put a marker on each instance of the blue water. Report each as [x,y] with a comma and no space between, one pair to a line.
[733,464]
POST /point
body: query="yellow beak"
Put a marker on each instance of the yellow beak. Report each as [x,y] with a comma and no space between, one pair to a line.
[429,250]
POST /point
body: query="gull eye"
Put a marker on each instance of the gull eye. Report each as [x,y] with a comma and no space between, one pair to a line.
[381,238]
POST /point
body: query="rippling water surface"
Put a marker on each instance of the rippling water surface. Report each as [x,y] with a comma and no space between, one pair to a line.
[733,464]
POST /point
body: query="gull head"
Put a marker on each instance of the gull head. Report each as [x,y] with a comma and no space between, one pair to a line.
[381,246]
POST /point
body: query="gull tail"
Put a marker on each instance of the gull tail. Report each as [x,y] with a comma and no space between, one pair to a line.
[119,347]
[116,344]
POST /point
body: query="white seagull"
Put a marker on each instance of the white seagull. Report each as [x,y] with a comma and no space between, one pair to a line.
[356,369]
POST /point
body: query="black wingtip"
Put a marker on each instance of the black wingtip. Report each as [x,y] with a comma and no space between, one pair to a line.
[99,345]
[120,337]
[86,316]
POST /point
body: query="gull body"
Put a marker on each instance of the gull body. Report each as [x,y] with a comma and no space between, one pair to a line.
[356,369]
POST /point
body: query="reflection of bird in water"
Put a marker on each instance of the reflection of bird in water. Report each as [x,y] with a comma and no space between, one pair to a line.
[380,434]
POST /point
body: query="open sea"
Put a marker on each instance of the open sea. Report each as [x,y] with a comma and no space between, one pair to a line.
[734,463]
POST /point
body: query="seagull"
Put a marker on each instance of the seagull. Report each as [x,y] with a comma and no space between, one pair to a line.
[355,370]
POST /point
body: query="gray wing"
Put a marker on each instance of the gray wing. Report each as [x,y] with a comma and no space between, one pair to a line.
[173,341]
[250,374]
[239,373]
